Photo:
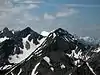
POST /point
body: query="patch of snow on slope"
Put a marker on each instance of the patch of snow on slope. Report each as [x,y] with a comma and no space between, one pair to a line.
[77,63]
[90,68]
[52,68]
[34,70]
[47,59]
[97,50]
[26,52]
[44,33]
[62,66]
[3,39]
[70,74]
[12,73]
[5,67]
[20,71]
[75,55]
[13,32]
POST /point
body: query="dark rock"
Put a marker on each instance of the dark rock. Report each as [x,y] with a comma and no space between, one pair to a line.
[27,45]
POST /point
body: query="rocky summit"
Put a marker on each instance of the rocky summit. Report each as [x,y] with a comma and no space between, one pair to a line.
[26,52]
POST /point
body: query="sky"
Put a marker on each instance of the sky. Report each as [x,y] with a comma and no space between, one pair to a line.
[80,17]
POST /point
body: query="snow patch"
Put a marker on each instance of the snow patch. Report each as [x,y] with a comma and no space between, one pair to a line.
[90,68]
[47,59]
[62,66]
[77,63]
[75,55]
[20,71]
[97,50]
[70,74]
[3,39]
[54,35]
[12,73]
[5,67]
[13,32]
[26,52]
[52,68]
[34,70]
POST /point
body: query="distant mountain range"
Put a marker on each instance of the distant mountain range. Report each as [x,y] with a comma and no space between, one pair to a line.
[27,52]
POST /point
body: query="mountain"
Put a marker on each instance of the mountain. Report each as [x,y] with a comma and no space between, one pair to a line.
[17,47]
[6,33]
[60,53]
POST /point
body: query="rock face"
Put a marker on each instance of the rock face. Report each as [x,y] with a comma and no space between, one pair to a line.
[16,45]
[59,54]
[6,33]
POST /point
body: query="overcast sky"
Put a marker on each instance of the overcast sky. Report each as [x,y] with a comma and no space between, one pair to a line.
[80,17]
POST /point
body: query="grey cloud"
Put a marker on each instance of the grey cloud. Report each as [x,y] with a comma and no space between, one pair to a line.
[81,5]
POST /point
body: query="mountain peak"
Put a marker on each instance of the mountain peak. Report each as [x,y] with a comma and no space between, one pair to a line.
[27,29]
[60,30]
[5,29]
[63,33]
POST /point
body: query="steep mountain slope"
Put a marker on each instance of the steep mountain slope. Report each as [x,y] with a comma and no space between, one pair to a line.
[59,54]
[19,46]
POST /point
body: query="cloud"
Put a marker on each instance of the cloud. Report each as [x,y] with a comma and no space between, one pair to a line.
[45,33]
[81,5]
[12,15]
[16,0]
[31,6]
[48,16]
[66,13]
[30,2]
[18,15]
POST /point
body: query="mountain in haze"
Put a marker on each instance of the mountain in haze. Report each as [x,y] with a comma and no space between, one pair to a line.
[28,53]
